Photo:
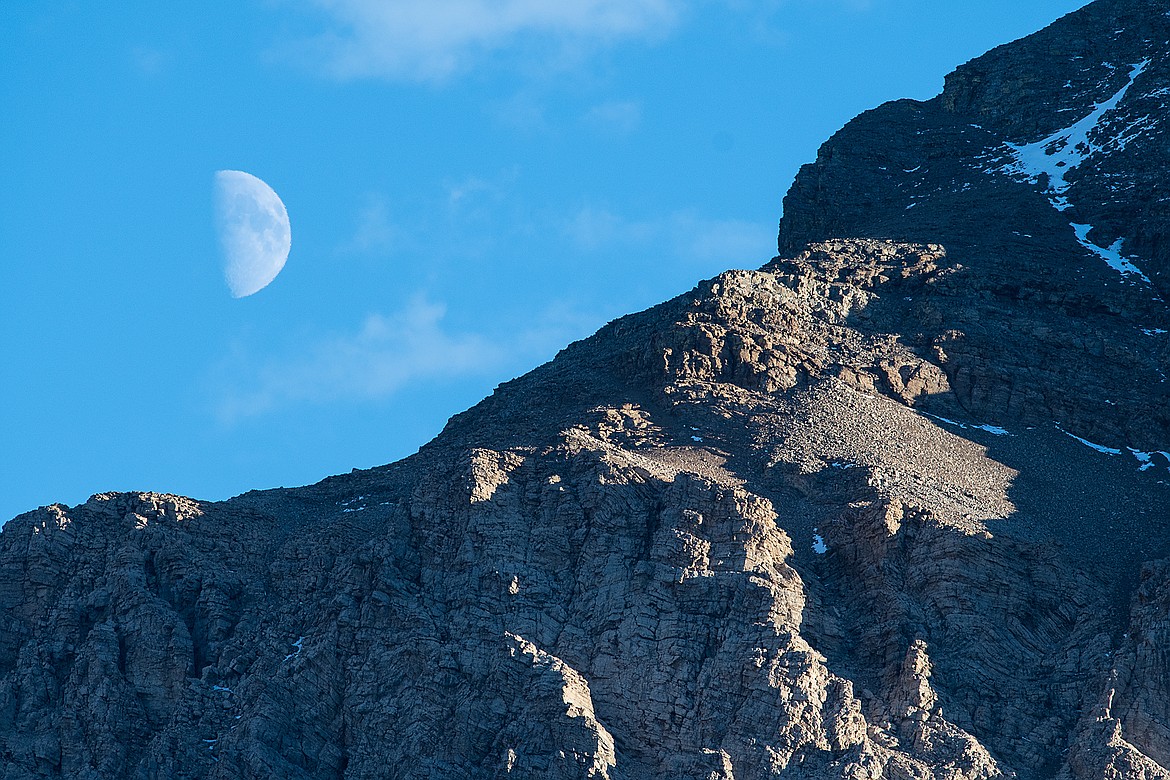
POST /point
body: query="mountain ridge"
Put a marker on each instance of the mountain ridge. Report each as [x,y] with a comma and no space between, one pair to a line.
[895,505]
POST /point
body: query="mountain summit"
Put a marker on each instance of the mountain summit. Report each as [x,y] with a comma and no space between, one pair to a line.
[1042,170]
[895,505]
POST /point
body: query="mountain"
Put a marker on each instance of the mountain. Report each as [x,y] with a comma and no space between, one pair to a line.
[895,505]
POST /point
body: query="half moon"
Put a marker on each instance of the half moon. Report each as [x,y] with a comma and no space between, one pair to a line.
[254,231]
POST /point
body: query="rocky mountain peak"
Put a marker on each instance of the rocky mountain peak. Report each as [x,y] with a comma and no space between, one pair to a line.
[894,505]
[1074,113]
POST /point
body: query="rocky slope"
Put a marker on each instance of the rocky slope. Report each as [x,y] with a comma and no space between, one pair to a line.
[895,505]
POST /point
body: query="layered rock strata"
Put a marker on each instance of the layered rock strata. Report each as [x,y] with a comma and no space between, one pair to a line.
[896,505]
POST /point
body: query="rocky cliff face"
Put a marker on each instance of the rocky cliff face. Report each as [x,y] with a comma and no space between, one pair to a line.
[895,505]
[1042,169]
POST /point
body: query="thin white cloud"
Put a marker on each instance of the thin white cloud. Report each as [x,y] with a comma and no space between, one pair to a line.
[592,229]
[384,355]
[730,241]
[616,116]
[149,61]
[374,231]
[767,22]
[734,240]
[430,40]
[400,228]
[521,111]
[391,352]
[559,323]
[467,190]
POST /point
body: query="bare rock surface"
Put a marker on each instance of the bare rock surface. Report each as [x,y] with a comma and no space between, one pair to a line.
[894,506]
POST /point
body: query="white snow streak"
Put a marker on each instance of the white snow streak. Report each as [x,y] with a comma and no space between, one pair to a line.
[1098,447]
[1146,459]
[1112,255]
[297,644]
[995,430]
[992,429]
[1066,149]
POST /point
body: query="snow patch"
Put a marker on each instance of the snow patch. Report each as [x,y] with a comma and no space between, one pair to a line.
[995,430]
[1098,447]
[298,645]
[992,429]
[1066,149]
[1132,131]
[349,504]
[818,546]
[1146,459]
[1112,256]
[697,438]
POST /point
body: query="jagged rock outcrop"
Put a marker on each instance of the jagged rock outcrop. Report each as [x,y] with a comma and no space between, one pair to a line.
[893,506]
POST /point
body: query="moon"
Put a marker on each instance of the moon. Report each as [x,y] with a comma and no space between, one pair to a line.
[254,231]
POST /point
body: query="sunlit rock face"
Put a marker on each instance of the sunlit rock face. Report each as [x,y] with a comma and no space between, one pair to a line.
[895,505]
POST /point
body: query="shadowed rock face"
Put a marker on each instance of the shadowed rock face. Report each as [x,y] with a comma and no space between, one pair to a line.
[1042,168]
[856,514]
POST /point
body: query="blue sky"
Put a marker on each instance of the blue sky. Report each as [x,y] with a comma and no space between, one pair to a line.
[471,185]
